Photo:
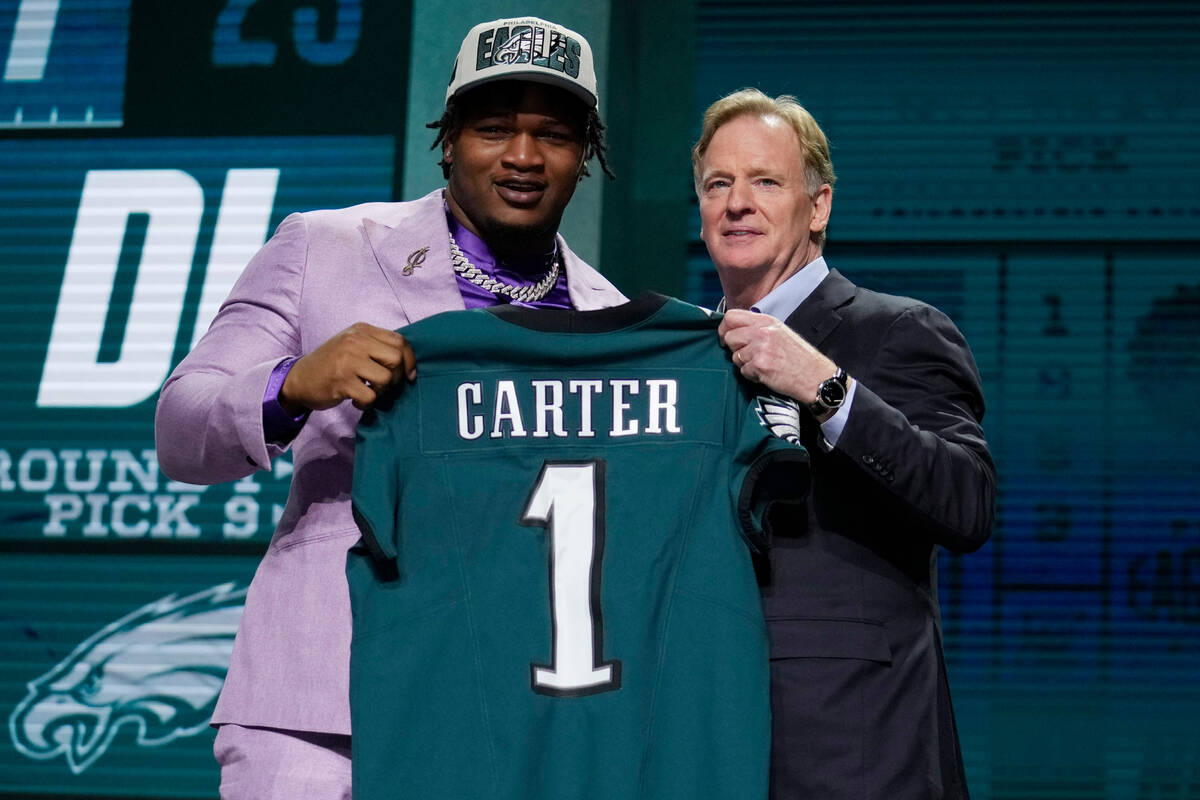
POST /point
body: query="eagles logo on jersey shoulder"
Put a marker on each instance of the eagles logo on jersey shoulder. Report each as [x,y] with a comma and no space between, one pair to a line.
[780,416]
[158,670]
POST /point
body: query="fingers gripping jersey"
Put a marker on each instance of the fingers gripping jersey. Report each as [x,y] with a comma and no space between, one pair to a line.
[565,501]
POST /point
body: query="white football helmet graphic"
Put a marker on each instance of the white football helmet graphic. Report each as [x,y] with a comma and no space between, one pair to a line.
[158,670]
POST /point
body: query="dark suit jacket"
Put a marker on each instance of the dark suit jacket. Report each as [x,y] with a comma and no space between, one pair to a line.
[860,702]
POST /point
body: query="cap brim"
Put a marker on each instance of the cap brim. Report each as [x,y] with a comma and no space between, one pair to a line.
[539,76]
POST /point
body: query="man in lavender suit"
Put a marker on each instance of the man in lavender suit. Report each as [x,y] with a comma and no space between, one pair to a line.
[306,340]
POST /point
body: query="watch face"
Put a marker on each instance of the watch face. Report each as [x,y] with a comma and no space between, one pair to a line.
[832,393]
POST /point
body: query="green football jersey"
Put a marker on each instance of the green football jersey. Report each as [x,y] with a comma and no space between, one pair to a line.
[554,595]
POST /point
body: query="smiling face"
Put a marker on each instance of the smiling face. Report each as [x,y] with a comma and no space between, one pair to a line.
[758,216]
[514,163]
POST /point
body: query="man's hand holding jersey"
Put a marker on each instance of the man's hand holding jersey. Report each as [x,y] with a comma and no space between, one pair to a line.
[357,364]
[769,352]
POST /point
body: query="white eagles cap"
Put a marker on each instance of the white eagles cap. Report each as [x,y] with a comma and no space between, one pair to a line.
[526,49]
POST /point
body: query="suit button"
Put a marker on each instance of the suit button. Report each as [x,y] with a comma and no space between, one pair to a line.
[869,459]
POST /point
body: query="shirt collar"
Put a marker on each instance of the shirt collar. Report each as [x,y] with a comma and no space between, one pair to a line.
[785,298]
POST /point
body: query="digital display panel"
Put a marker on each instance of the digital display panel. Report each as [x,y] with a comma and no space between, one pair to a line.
[115,255]
[1032,173]
[63,62]
[147,150]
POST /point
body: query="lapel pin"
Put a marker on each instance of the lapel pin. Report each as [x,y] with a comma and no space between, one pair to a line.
[415,259]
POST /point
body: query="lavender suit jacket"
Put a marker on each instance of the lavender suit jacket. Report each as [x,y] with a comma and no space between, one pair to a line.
[321,272]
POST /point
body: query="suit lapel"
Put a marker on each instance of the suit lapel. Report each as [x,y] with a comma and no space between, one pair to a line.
[587,288]
[820,313]
[413,252]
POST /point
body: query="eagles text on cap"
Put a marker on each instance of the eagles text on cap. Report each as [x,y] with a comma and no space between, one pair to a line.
[525,48]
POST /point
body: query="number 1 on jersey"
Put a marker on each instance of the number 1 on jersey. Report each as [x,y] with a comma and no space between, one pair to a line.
[568,500]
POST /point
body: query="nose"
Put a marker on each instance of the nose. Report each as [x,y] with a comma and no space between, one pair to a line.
[523,152]
[739,199]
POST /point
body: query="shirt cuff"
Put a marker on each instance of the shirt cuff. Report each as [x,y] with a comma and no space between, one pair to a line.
[279,427]
[831,429]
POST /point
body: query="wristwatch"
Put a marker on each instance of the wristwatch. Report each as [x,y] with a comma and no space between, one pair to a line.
[830,395]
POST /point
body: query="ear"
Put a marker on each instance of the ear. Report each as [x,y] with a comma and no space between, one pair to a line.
[822,202]
[581,169]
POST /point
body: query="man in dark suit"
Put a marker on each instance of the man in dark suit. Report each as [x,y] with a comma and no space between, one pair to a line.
[860,701]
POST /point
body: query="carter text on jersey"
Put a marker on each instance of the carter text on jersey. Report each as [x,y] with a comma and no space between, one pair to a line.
[639,406]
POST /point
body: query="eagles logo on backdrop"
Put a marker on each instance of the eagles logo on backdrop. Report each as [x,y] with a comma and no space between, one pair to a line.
[528,49]
[156,671]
